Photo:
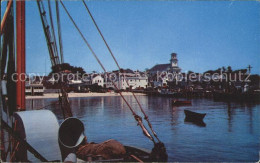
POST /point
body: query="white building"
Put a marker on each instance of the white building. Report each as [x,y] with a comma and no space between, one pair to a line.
[128,81]
[98,79]
[133,82]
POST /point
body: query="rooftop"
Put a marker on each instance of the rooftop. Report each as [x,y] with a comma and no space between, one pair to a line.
[160,67]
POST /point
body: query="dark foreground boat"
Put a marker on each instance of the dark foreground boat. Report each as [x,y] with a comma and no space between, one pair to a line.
[133,154]
[179,103]
[158,154]
[193,116]
[71,136]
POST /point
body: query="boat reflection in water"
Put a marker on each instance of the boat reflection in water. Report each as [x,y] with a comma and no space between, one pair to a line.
[197,123]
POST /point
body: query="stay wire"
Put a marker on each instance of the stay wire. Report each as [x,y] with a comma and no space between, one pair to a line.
[137,118]
[59,31]
[55,49]
[110,51]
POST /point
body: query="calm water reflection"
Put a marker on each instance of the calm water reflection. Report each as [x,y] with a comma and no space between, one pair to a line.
[231,132]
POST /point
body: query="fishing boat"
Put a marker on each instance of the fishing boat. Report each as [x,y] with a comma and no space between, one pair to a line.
[193,116]
[179,102]
[31,135]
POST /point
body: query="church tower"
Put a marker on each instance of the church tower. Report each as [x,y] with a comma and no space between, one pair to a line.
[174,64]
[174,60]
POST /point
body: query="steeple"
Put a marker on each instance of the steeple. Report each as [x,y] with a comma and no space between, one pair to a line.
[174,60]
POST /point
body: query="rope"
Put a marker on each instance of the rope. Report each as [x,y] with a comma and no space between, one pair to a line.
[137,118]
[7,11]
[90,48]
[101,34]
[47,32]
[109,49]
[59,31]
[52,29]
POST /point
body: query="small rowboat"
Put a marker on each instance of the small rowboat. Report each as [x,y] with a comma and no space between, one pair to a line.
[178,103]
[193,116]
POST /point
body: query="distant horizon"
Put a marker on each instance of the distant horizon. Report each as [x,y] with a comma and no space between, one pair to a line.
[205,35]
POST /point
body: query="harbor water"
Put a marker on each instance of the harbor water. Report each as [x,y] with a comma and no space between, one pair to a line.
[231,132]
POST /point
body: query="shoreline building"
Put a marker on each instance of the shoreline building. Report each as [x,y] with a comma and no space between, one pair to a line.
[136,80]
[97,79]
[168,67]
[158,69]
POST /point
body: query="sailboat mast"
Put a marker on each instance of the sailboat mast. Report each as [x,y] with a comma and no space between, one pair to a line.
[20,54]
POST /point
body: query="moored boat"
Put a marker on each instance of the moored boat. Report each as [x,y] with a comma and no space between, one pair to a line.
[178,102]
[193,116]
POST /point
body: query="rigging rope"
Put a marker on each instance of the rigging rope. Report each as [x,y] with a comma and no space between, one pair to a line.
[59,30]
[52,29]
[7,11]
[110,51]
[137,117]
[48,36]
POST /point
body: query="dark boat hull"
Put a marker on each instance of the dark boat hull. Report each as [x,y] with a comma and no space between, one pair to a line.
[193,116]
[133,154]
[141,154]
[179,103]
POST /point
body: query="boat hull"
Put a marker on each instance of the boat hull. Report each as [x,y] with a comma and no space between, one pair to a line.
[193,116]
[141,154]
[179,103]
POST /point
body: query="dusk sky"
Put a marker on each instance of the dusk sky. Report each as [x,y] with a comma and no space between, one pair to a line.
[205,35]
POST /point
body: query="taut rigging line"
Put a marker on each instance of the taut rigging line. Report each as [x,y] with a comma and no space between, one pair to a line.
[137,117]
[55,49]
[110,51]
[59,31]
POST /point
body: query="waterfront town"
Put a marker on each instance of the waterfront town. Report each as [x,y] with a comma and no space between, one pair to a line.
[162,79]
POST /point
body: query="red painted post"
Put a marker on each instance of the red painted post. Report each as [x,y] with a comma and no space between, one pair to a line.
[20,54]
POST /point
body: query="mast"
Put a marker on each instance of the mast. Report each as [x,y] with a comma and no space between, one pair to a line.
[20,58]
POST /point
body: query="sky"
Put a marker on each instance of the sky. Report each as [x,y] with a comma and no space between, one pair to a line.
[205,35]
